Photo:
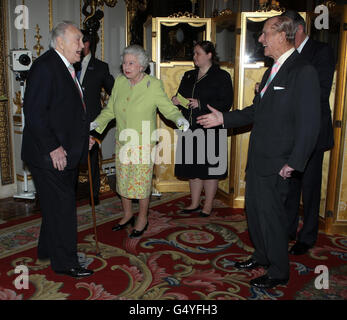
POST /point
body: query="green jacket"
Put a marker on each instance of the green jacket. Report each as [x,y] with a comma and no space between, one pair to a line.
[135,107]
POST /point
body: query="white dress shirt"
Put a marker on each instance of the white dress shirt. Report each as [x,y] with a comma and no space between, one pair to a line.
[284,57]
[84,66]
[67,64]
[299,48]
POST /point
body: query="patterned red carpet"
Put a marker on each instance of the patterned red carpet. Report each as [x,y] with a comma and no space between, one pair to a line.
[178,258]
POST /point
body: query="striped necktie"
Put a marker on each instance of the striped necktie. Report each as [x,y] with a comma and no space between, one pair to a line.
[273,72]
[73,75]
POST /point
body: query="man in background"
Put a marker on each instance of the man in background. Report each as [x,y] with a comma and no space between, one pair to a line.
[308,183]
[93,75]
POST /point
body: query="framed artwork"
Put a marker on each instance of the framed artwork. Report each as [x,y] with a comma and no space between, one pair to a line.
[178,41]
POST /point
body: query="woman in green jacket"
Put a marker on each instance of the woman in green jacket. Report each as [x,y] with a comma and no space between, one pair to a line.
[133,103]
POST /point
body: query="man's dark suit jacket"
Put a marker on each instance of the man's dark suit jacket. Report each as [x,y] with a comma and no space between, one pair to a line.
[321,56]
[285,121]
[54,114]
[96,77]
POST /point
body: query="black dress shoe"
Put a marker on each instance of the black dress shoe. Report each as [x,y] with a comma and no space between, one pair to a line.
[204,214]
[77,272]
[299,248]
[43,257]
[135,233]
[248,264]
[265,282]
[292,237]
[186,211]
[118,226]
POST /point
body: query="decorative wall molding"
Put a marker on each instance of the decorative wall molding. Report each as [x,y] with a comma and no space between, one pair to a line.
[50,14]
[38,38]
[6,160]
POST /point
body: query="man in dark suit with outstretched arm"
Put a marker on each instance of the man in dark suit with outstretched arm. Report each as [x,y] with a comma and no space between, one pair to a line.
[308,183]
[55,140]
[93,74]
[281,141]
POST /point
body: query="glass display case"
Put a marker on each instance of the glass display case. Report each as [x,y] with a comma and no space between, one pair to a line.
[250,65]
[224,28]
[169,41]
[237,43]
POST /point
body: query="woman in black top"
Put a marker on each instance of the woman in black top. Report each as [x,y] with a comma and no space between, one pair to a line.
[206,84]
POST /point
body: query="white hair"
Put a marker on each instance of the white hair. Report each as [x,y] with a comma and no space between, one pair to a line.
[138,52]
[59,31]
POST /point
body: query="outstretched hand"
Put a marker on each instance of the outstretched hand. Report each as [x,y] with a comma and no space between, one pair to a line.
[213,119]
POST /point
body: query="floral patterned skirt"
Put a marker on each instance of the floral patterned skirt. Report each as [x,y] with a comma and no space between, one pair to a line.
[134,171]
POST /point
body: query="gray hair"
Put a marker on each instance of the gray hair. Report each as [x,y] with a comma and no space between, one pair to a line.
[296,17]
[286,25]
[138,52]
[59,31]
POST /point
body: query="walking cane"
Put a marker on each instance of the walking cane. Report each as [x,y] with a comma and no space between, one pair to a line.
[92,199]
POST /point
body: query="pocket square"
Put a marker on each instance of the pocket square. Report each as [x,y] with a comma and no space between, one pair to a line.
[278,88]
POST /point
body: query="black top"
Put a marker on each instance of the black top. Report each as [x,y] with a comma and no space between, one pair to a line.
[214,88]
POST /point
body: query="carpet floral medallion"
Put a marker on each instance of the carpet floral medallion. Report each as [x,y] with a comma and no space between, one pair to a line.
[179,257]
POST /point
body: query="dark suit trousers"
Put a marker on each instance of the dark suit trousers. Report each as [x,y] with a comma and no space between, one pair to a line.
[309,183]
[58,235]
[267,221]
[95,169]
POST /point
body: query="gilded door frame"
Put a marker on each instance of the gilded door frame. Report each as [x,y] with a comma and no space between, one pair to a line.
[331,223]
[6,158]
[237,198]
[161,184]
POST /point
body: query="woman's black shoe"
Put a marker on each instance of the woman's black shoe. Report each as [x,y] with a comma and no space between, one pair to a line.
[204,214]
[135,233]
[118,226]
[186,211]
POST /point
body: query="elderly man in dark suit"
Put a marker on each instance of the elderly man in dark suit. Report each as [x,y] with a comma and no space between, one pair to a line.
[55,140]
[93,74]
[308,183]
[281,141]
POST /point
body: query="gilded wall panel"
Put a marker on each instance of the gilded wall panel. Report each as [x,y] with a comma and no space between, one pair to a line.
[342,209]
[326,159]
[165,179]
[325,172]
[224,184]
[251,77]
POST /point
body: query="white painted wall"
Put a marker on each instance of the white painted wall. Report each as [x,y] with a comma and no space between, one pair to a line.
[114,43]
